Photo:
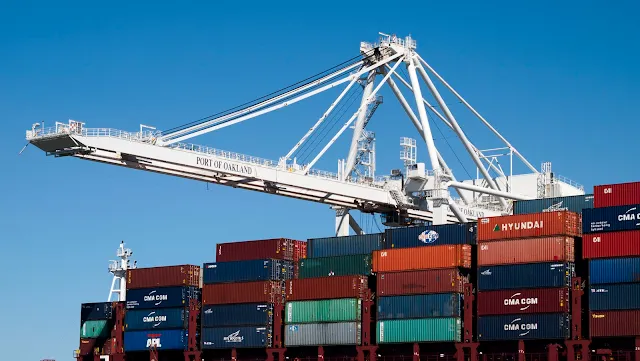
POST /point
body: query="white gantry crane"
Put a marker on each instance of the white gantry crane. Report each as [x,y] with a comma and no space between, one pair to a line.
[421,192]
[119,270]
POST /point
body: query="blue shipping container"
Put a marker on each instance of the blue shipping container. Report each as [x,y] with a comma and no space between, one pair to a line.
[524,327]
[611,219]
[247,271]
[614,270]
[344,246]
[96,311]
[243,314]
[161,297]
[571,203]
[162,339]
[530,275]
[624,296]
[420,306]
[406,237]
[236,337]
[161,318]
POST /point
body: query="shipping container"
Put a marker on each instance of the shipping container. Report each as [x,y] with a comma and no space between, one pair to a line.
[611,195]
[538,326]
[624,296]
[525,301]
[570,203]
[611,219]
[334,310]
[161,297]
[88,346]
[280,248]
[247,292]
[167,276]
[614,270]
[528,250]
[299,250]
[434,257]
[96,329]
[327,287]
[421,282]
[335,266]
[96,311]
[243,314]
[161,339]
[344,246]
[615,323]
[611,244]
[446,234]
[236,337]
[420,306]
[532,275]
[247,271]
[544,224]
[419,330]
[161,319]
[323,334]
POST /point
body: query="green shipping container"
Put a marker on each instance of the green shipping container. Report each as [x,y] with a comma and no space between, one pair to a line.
[335,266]
[420,330]
[95,329]
[334,310]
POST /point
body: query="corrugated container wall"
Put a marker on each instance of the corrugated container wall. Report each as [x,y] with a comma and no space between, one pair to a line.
[405,259]
[624,296]
[614,270]
[323,334]
[244,314]
[335,266]
[529,250]
[327,287]
[533,275]
[611,244]
[95,329]
[419,330]
[87,346]
[247,292]
[162,339]
[162,319]
[161,297]
[299,250]
[524,327]
[182,275]
[545,224]
[420,282]
[570,203]
[344,246]
[511,302]
[96,311]
[236,337]
[420,306]
[615,323]
[333,310]
[407,237]
[611,195]
[611,219]
[280,248]
[247,271]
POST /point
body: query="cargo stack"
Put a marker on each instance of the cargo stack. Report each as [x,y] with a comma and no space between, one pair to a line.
[421,273]
[525,266]
[612,246]
[158,306]
[324,305]
[241,290]
[96,321]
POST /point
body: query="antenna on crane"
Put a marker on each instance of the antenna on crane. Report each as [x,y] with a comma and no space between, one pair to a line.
[119,271]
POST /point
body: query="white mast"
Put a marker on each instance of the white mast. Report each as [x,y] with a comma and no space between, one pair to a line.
[119,271]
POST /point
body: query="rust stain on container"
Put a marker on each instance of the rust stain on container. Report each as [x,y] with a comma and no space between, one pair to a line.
[530,250]
[543,224]
[421,258]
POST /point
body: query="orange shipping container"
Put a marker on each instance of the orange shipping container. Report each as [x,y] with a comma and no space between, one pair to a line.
[433,257]
[532,250]
[546,224]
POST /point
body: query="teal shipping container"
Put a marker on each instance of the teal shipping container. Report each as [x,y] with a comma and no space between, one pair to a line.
[335,266]
[344,246]
[444,329]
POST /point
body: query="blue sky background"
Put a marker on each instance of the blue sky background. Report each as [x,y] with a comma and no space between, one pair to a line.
[558,79]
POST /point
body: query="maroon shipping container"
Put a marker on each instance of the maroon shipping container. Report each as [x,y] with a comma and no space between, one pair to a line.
[544,224]
[615,323]
[420,282]
[326,288]
[611,244]
[621,194]
[299,250]
[87,346]
[511,302]
[528,250]
[167,276]
[279,248]
[245,292]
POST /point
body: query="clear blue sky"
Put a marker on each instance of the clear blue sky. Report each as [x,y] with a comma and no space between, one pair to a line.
[559,79]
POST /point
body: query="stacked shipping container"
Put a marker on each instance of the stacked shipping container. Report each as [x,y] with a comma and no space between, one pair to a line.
[96,321]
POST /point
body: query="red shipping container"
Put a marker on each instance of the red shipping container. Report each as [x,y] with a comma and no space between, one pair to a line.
[279,248]
[420,282]
[615,323]
[327,288]
[245,292]
[530,250]
[511,302]
[421,258]
[621,194]
[545,224]
[182,275]
[87,346]
[611,244]
[299,250]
